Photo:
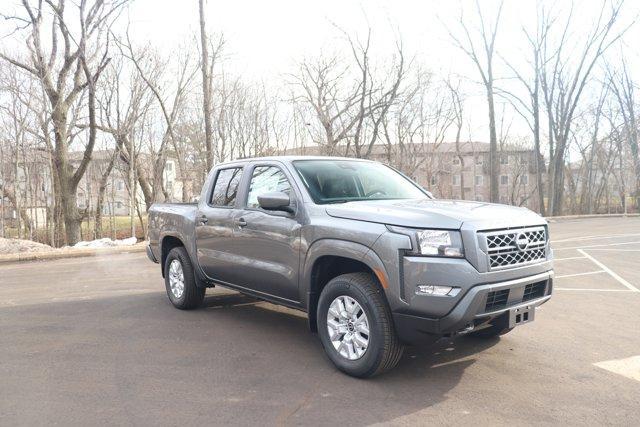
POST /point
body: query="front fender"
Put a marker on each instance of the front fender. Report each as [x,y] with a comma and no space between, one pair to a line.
[340,248]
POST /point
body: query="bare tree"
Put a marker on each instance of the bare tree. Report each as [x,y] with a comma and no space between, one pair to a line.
[564,77]
[330,98]
[482,57]
[71,64]
[529,107]
[623,88]
[152,71]
[458,120]
[207,62]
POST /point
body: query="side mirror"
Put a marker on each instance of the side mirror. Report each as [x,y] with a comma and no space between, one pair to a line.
[275,201]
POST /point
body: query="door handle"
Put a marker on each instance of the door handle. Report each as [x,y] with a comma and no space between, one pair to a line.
[241,222]
[203,220]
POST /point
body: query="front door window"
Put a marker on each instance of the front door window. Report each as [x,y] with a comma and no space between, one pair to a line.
[266,179]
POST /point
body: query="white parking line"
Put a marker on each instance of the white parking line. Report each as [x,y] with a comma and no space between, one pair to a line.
[614,250]
[596,246]
[580,274]
[599,237]
[592,290]
[629,367]
[611,273]
[568,258]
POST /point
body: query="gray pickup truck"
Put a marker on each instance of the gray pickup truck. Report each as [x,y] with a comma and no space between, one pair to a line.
[372,258]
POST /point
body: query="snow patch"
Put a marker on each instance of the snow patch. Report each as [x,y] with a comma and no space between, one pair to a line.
[106,243]
[12,246]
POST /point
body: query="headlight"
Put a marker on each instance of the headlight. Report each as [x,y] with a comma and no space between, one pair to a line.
[444,243]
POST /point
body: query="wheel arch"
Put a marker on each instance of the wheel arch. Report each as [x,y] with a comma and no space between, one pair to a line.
[167,243]
[329,258]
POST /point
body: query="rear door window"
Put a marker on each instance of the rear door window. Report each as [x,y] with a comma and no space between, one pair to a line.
[226,187]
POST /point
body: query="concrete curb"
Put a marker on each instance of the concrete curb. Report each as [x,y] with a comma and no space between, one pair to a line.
[71,253]
[570,217]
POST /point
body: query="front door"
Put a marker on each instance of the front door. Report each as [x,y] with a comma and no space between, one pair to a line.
[267,243]
[214,226]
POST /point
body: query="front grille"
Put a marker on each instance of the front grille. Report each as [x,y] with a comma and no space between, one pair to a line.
[534,290]
[510,248]
[496,300]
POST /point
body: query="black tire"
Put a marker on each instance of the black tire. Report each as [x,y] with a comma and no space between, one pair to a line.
[491,332]
[192,296]
[384,349]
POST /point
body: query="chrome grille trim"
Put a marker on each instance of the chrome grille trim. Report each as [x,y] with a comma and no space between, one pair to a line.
[503,251]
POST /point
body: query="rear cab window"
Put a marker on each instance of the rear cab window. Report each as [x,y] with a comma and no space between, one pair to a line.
[225,188]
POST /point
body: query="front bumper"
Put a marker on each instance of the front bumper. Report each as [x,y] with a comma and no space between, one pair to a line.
[472,310]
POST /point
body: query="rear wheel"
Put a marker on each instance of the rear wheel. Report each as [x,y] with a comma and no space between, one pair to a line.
[355,326]
[180,281]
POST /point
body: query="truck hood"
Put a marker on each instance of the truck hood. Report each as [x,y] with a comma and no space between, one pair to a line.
[431,213]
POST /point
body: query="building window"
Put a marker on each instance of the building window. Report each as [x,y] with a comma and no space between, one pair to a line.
[524,179]
[456,160]
[504,179]
[169,166]
[456,180]
[504,159]
[119,185]
[433,181]
[119,205]
[479,180]
[479,160]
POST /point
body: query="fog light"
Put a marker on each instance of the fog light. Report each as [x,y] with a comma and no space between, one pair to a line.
[441,291]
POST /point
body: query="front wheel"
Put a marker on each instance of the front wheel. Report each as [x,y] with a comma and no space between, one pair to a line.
[356,327]
[180,281]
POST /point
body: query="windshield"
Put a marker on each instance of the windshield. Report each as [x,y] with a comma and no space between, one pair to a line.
[338,181]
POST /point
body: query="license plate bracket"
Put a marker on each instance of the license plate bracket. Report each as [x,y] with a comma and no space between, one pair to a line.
[521,315]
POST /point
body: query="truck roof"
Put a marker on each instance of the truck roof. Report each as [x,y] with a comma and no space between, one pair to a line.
[288,159]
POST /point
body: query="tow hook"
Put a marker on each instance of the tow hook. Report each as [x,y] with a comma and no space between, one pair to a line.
[469,328]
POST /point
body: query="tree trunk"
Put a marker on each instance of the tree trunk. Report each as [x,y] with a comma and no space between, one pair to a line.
[10,194]
[102,187]
[206,89]
[494,160]
[558,180]
[536,143]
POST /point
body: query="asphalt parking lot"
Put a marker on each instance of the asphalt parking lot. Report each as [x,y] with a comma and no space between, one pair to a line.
[95,341]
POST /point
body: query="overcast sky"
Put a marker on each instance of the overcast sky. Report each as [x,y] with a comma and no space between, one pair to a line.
[266,38]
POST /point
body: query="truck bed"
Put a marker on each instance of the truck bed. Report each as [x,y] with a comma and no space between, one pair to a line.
[171,219]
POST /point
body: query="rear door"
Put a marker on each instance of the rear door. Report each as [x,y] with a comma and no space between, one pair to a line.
[214,225]
[267,243]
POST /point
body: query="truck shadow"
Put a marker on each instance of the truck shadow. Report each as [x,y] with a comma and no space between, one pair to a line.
[423,378]
[244,359]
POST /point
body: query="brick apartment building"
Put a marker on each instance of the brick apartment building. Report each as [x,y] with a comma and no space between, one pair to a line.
[34,189]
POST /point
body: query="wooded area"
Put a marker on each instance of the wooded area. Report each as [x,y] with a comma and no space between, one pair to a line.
[73,84]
